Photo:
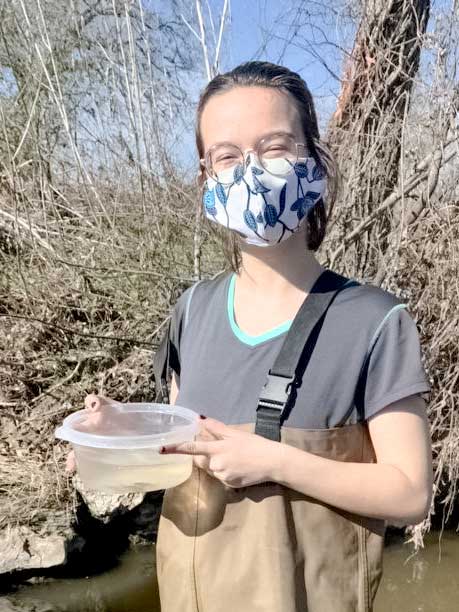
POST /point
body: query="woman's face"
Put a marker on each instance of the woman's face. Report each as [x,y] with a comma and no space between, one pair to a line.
[244,115]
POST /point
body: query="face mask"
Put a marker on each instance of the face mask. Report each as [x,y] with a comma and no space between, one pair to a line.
[264,208]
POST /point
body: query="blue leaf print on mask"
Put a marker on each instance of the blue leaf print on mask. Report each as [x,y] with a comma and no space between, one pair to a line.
[221,195]
[250,220]
[256,170]
[318,173]
[303,205]
[301,170]
[282,199]
[259,218]
[238,173]
[311,197]
[300,206]
[258,187]
[270,215]
[208,200]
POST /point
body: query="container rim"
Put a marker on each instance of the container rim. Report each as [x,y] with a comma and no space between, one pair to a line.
[186,432]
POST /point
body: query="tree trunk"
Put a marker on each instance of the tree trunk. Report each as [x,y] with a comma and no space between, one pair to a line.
[365,132]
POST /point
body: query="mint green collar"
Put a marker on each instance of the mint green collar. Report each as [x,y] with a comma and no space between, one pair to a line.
[242,336]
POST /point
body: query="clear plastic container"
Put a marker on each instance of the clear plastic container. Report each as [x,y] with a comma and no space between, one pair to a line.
[120,454]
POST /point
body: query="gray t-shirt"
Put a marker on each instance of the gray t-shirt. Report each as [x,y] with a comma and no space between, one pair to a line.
[368,342]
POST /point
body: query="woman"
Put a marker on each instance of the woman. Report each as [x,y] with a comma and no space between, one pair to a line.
[293,522]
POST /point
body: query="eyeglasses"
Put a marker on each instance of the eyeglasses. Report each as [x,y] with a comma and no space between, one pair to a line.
[277,154]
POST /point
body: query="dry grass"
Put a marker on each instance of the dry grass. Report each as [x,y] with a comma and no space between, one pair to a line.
[81,318]
[423,270]
[428,269]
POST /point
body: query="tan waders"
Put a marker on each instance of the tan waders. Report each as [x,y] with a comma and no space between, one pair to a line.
[267,548]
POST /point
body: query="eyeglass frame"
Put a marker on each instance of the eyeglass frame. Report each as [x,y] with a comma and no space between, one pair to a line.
[203,161]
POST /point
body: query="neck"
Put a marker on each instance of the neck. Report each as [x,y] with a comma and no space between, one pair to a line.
[284,266]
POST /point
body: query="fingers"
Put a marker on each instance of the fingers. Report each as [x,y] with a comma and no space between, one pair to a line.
[193,447]
[216,429]
[94,402]
[92,422]
[70,463]
[207,434]
[94,407]
[201,462]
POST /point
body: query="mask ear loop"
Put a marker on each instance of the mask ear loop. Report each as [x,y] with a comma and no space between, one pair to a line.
[199,179]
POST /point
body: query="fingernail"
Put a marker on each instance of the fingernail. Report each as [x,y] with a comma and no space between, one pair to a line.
[201,416]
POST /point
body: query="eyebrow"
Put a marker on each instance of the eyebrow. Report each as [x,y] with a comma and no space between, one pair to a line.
[267,135]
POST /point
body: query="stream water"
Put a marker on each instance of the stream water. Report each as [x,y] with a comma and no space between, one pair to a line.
[425,582]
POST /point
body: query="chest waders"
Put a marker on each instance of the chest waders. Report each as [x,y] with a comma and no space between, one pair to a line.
[268,548]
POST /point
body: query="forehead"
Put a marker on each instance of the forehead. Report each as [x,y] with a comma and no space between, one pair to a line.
[243,115]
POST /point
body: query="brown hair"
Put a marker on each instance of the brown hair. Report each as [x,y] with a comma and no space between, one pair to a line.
[265,74]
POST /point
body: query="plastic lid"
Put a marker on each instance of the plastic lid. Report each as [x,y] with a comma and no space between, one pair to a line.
[131,426]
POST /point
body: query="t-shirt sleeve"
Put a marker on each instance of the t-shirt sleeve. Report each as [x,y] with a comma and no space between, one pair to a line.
[394,368]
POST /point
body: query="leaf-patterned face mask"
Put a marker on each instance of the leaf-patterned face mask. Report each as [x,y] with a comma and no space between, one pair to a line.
[265,209]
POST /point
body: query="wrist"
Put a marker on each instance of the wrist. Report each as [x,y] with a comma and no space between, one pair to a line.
[278,463]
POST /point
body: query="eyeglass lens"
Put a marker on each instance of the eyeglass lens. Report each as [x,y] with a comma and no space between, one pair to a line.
[277,154]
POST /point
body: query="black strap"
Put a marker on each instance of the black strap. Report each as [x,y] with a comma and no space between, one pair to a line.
[164,357]
[160,367]
[278,392]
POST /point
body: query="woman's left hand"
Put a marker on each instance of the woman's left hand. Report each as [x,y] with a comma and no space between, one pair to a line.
[237,458]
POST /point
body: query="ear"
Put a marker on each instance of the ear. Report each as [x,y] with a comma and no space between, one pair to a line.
[200,178]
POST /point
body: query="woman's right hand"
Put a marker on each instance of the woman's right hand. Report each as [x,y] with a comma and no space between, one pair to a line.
[94,406]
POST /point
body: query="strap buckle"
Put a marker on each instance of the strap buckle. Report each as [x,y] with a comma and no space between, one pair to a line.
[275,392]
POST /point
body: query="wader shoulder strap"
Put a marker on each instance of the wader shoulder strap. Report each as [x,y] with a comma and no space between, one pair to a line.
[290,363]
[161,360]
[166,354]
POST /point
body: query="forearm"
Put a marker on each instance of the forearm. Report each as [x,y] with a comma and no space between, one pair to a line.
[369,489]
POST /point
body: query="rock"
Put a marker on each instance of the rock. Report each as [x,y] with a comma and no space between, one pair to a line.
[9,605]
[105,507]
[23,549]
[137,514]
[45,543]
[83,541]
